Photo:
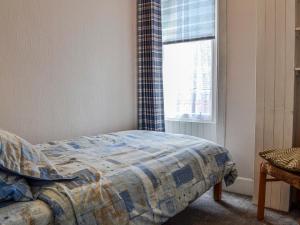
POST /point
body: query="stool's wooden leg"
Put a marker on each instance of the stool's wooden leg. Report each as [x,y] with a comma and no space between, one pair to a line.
[261,195]
[218,192]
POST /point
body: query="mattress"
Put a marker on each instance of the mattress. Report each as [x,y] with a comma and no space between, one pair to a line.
[129,177]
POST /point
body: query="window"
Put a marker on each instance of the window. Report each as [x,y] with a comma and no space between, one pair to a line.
[188,28]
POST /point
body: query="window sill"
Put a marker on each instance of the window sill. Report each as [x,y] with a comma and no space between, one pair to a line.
[191,121]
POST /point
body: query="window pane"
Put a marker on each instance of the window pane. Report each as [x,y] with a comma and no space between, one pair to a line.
[188,79]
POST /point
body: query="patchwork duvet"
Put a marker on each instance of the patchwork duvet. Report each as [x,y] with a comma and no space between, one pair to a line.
[129,177]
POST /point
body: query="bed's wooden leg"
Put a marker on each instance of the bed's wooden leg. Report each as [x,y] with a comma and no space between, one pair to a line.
[218,192]
[261,195]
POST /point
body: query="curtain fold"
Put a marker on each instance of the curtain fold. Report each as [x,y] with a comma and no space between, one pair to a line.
[150,81]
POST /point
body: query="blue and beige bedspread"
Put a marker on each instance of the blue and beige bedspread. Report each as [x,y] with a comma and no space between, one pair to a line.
[131,177]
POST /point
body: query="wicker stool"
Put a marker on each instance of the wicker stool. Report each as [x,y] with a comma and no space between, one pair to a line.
[279,175]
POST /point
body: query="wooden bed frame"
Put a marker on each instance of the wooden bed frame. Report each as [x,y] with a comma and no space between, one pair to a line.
[218,192]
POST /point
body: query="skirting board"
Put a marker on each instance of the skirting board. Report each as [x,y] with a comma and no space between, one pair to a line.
[242,186]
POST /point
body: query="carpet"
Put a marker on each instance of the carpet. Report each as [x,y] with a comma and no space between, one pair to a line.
[232,210]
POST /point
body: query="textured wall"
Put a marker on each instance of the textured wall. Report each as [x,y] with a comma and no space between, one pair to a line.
[67,67]
[203,130]
[275,89]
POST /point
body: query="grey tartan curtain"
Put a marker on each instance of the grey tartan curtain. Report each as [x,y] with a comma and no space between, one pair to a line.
[150,82]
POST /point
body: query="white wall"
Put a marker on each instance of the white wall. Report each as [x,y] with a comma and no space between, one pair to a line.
[67,67]
[241,102]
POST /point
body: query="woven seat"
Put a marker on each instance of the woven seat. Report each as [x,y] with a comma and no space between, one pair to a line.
[287,159]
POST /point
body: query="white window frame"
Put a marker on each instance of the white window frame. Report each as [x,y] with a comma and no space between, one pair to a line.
[221,29]
[215,70]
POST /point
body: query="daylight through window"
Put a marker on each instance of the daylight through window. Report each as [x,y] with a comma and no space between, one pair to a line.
[188,28]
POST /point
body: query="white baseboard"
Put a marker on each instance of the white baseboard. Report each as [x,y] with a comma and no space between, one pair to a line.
[242,186]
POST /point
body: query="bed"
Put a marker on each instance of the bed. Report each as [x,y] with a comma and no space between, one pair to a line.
[128,177]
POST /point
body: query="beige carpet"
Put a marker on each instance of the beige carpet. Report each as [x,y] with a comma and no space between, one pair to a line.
[233,210]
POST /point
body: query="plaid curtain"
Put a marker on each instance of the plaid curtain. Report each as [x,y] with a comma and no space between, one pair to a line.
[150,82]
